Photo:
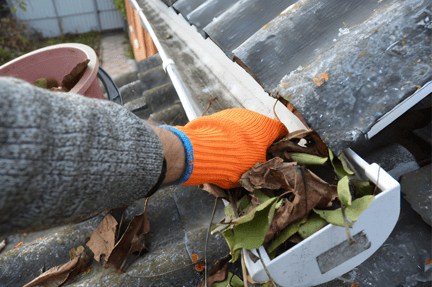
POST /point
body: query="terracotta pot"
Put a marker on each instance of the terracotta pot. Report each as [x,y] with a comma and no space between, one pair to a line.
[55,62]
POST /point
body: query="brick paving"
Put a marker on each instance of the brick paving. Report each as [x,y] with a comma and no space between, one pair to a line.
[113,53]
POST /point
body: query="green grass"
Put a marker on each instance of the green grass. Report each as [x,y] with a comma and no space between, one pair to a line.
[129,53]
[128,48]
[14,44]
[92,39]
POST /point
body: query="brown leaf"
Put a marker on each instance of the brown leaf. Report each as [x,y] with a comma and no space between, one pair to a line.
[130,242]
[70,80]
[289,144]
[259,176]
[309,192]
[102,239]
[52,83]
[60,275]
[218,272]
[214,190]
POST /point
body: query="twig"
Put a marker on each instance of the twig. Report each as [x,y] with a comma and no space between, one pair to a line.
[265,268]
[117,238]
[209,105]
[206,244]
[274,110]
[243,254]
[348,232]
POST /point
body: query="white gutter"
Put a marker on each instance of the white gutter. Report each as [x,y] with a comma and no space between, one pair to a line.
[169,67]
[400,109]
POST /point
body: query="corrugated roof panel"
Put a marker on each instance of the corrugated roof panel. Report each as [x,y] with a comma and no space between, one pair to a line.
[48,28]
[74,16]
[65,7]
[206,12]
[242,20]
[35,9]
[104,4]
[186,6]
[79,24]
[111,20]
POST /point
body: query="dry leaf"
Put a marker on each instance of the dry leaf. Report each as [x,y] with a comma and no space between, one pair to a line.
[213,189]
[102,239]
[309,192]
[71,79]
[218,272]
[259,175]
[289,144]
[130,242]
[60,275]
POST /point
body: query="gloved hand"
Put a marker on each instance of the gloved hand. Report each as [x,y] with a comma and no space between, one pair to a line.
[221,147]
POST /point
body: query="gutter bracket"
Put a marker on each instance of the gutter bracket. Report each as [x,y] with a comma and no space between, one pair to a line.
[166,63]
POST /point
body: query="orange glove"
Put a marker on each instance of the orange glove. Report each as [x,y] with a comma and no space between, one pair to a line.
[223,146]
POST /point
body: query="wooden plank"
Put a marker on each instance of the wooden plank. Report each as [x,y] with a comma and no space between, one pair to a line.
[204,14]
[141,41]
[186,6]
[242,20]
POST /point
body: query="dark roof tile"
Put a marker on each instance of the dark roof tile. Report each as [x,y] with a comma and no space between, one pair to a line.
[186,6]
[206,12]
[242,20]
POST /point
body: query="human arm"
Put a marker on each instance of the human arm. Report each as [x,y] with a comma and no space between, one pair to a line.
[64,157]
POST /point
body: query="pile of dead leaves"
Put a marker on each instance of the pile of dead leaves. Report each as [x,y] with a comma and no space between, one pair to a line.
[283,201]
[111,245]
[68,82]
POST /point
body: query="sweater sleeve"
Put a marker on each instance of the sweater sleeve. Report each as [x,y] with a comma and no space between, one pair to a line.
[65,158]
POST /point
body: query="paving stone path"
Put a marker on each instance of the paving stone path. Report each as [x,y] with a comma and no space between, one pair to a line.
[113,52]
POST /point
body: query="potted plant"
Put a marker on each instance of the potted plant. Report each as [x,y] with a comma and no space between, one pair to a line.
[55,62]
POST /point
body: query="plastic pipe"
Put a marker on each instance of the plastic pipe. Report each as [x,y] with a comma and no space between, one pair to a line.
[169,67]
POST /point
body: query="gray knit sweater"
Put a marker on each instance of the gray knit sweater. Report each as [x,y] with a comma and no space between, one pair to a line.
[64,157]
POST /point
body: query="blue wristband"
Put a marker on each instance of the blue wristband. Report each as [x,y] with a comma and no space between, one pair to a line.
[188,151]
